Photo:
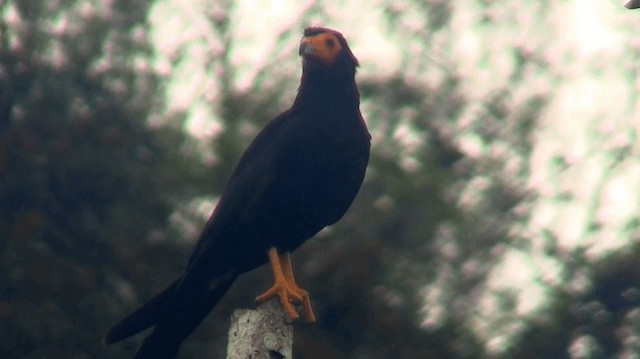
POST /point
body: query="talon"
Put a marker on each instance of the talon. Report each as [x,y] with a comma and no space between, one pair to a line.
[283,298]
[286,289]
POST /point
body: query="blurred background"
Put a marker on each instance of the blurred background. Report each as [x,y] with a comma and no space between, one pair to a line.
[498,217]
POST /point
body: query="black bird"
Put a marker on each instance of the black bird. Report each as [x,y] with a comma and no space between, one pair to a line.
[300,174]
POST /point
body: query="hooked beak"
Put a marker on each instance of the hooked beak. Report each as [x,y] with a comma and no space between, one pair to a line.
[305,47]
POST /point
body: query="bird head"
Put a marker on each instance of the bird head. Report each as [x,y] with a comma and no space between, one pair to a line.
[323,48]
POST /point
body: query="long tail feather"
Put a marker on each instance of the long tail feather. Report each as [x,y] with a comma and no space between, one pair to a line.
[187,310]
[144,317]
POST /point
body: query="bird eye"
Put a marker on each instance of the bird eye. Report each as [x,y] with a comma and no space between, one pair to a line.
[330,42]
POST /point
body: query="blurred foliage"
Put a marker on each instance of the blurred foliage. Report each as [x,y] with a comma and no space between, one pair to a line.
[85,182]
[101,192]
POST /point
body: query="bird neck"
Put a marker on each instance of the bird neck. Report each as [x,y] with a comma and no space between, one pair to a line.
[324,91]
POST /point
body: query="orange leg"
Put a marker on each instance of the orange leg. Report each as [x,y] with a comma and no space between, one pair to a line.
[286,288]
[285,261]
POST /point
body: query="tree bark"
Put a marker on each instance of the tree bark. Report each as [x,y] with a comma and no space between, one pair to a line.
[263,333]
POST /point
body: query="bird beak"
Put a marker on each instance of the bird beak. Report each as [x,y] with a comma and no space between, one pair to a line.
[306,48]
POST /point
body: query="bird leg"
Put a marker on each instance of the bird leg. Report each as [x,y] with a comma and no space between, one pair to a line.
[285,260]
[286,288]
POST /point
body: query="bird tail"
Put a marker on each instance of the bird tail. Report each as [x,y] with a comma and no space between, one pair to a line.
[144,317]
[175,312]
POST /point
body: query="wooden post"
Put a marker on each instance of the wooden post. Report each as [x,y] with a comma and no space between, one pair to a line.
[263,333]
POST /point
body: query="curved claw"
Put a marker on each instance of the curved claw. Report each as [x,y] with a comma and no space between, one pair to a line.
[285,296]
[286,288]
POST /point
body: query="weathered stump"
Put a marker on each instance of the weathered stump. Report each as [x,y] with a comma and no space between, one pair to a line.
[263,333]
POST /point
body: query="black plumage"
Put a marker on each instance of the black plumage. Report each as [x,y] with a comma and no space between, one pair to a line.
[299,174]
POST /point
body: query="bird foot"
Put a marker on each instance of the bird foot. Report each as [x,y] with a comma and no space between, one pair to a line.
[286,297]
[286,289]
